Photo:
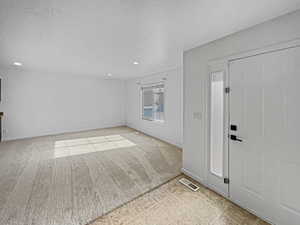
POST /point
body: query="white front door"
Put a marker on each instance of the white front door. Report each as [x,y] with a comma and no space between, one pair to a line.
[265,149]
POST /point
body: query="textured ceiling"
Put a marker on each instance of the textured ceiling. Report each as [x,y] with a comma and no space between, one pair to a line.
[96,37]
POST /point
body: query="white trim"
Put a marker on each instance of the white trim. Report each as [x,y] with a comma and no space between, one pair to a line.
[217,190]
[263,50]
[195,177]
[267,49]
[1,90]
[212,179]
[251,211]
[155,73]
[65,132]
[181,99]
[203,182]
[170,141]
[152,85]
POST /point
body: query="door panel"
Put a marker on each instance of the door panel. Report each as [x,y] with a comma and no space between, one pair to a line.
[264,104]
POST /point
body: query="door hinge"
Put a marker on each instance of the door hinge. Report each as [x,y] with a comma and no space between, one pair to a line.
[226,180]
[227,89]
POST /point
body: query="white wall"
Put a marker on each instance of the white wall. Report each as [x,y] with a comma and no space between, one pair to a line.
[196,83]
[171,129]
[38,104]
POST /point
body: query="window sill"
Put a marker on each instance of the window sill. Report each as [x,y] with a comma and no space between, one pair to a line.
[155,121]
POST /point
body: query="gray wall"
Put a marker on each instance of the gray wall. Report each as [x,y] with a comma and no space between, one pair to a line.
[36,104]
[196,60]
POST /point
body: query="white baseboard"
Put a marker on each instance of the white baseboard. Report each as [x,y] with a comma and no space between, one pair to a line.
[62,132]
[259,215]
[192,175]
[173,142]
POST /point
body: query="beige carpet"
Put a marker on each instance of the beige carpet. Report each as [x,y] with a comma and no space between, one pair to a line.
[74,178]
[174,204]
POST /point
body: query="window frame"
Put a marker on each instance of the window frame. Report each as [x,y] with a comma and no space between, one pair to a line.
[152,85]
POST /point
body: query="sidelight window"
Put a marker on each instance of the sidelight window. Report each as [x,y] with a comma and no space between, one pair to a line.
[217,123]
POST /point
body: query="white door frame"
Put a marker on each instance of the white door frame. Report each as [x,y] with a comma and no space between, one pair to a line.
[225,62]
[267,49]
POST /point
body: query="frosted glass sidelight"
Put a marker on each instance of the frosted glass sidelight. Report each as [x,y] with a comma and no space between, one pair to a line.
[217,123]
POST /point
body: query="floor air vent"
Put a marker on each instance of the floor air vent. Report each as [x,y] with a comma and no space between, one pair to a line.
[189,184]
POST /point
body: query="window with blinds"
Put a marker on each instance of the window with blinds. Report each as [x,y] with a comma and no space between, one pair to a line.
[153,103]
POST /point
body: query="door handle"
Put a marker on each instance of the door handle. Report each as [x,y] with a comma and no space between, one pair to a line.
[235,138]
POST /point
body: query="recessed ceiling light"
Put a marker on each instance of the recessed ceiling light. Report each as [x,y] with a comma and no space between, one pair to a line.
[136,63]
[18,64]
[109,74]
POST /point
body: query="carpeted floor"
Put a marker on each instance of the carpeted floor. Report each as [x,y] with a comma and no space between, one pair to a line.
[175,204]
[72,179]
